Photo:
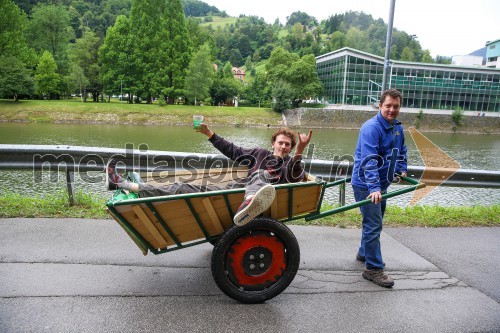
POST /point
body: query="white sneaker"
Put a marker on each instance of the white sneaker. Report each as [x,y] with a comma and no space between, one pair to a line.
[256,205]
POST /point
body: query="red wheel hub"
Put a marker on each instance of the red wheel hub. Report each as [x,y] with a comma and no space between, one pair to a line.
[257,259]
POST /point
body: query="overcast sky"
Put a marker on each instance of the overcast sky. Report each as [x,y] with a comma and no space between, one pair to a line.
[445,27]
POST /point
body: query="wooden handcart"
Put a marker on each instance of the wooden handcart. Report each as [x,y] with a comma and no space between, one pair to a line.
[250,263]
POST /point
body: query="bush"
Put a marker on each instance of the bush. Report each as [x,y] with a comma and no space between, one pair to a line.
[458,117]
[420,115]
[207,101]
[282,92]
[312,105]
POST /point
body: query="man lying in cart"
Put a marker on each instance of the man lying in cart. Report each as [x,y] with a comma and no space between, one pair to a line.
[264,169]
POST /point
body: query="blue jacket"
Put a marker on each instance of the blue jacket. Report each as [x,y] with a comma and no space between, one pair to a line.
[380,152]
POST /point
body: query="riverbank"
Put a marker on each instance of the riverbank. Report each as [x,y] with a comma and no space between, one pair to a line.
[73,111]
[424,122]
[116,113]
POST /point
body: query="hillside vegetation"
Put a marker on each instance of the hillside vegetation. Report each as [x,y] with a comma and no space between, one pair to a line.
[158,50]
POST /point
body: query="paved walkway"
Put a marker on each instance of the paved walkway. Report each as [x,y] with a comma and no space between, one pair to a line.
[62,275]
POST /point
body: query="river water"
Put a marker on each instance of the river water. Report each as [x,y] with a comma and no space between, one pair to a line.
[471,151]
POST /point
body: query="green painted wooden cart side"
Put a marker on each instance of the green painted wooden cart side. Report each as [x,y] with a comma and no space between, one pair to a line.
[168,223]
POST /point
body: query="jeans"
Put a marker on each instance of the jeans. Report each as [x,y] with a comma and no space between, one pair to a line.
[252,184]
[372,227]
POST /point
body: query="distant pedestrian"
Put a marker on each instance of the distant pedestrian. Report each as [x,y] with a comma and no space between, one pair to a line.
[380,154]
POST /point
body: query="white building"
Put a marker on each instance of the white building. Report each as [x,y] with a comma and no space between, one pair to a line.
[467,60]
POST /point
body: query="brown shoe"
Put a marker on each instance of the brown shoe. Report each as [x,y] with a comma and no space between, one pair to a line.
[379,277]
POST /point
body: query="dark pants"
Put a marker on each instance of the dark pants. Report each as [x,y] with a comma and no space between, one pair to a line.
[251,184]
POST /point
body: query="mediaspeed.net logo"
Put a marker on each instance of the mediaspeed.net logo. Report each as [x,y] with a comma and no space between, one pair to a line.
[439,166]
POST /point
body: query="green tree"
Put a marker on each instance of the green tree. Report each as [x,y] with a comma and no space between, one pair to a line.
[227,71]
[149,56]
[116,59]
[235,57]
[303,79]
[200,74]
[337,41]
[426,57]
[84,53]
[407,54]
[282,95]
[197,35]
[225,85]
[302,18]
[279,63]
[13,43]
[46,77]
[256,91]
[15,78]
[225,89]
[76,81]
[175,51]
[298,74]
[50,30]
[248,64]
[357,39]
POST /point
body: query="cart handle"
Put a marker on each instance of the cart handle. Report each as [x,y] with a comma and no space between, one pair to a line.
[338,182]
[415,186]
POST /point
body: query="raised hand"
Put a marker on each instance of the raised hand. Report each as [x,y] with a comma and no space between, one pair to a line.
[304,139]
[302,143]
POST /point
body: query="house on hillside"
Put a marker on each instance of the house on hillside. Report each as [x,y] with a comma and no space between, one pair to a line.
[239,73]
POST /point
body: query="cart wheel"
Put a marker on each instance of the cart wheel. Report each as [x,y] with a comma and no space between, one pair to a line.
[257,261]
[213,241]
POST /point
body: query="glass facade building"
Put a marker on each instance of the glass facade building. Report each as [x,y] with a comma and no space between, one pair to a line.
[355,78]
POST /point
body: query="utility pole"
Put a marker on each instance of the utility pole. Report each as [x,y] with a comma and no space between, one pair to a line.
[387,61]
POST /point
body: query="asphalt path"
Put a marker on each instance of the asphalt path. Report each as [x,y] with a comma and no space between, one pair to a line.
[75,275]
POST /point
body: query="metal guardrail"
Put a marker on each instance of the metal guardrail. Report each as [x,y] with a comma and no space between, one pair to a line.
[79,159]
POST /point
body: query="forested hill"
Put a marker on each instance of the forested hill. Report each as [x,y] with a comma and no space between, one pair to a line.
[167,49]
[251,36]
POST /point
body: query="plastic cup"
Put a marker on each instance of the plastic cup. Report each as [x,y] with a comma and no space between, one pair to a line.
[197,121]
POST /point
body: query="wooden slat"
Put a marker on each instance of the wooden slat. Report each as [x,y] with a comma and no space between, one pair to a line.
[150,226]
[274,208]
[159,226]
[213,215]
[305,200]
[137,242]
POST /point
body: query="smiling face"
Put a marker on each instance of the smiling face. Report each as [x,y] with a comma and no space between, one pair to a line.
[389,108]
[282,146]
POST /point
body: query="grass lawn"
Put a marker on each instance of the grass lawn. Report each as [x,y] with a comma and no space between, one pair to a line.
[73,110]
[219,22]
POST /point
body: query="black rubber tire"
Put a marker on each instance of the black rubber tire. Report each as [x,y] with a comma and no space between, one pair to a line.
[214,241]
[272,237]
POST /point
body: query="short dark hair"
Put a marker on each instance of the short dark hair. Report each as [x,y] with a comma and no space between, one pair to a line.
[286,132]
[394,93]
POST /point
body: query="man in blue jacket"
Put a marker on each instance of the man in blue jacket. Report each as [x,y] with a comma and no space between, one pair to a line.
[380,155]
